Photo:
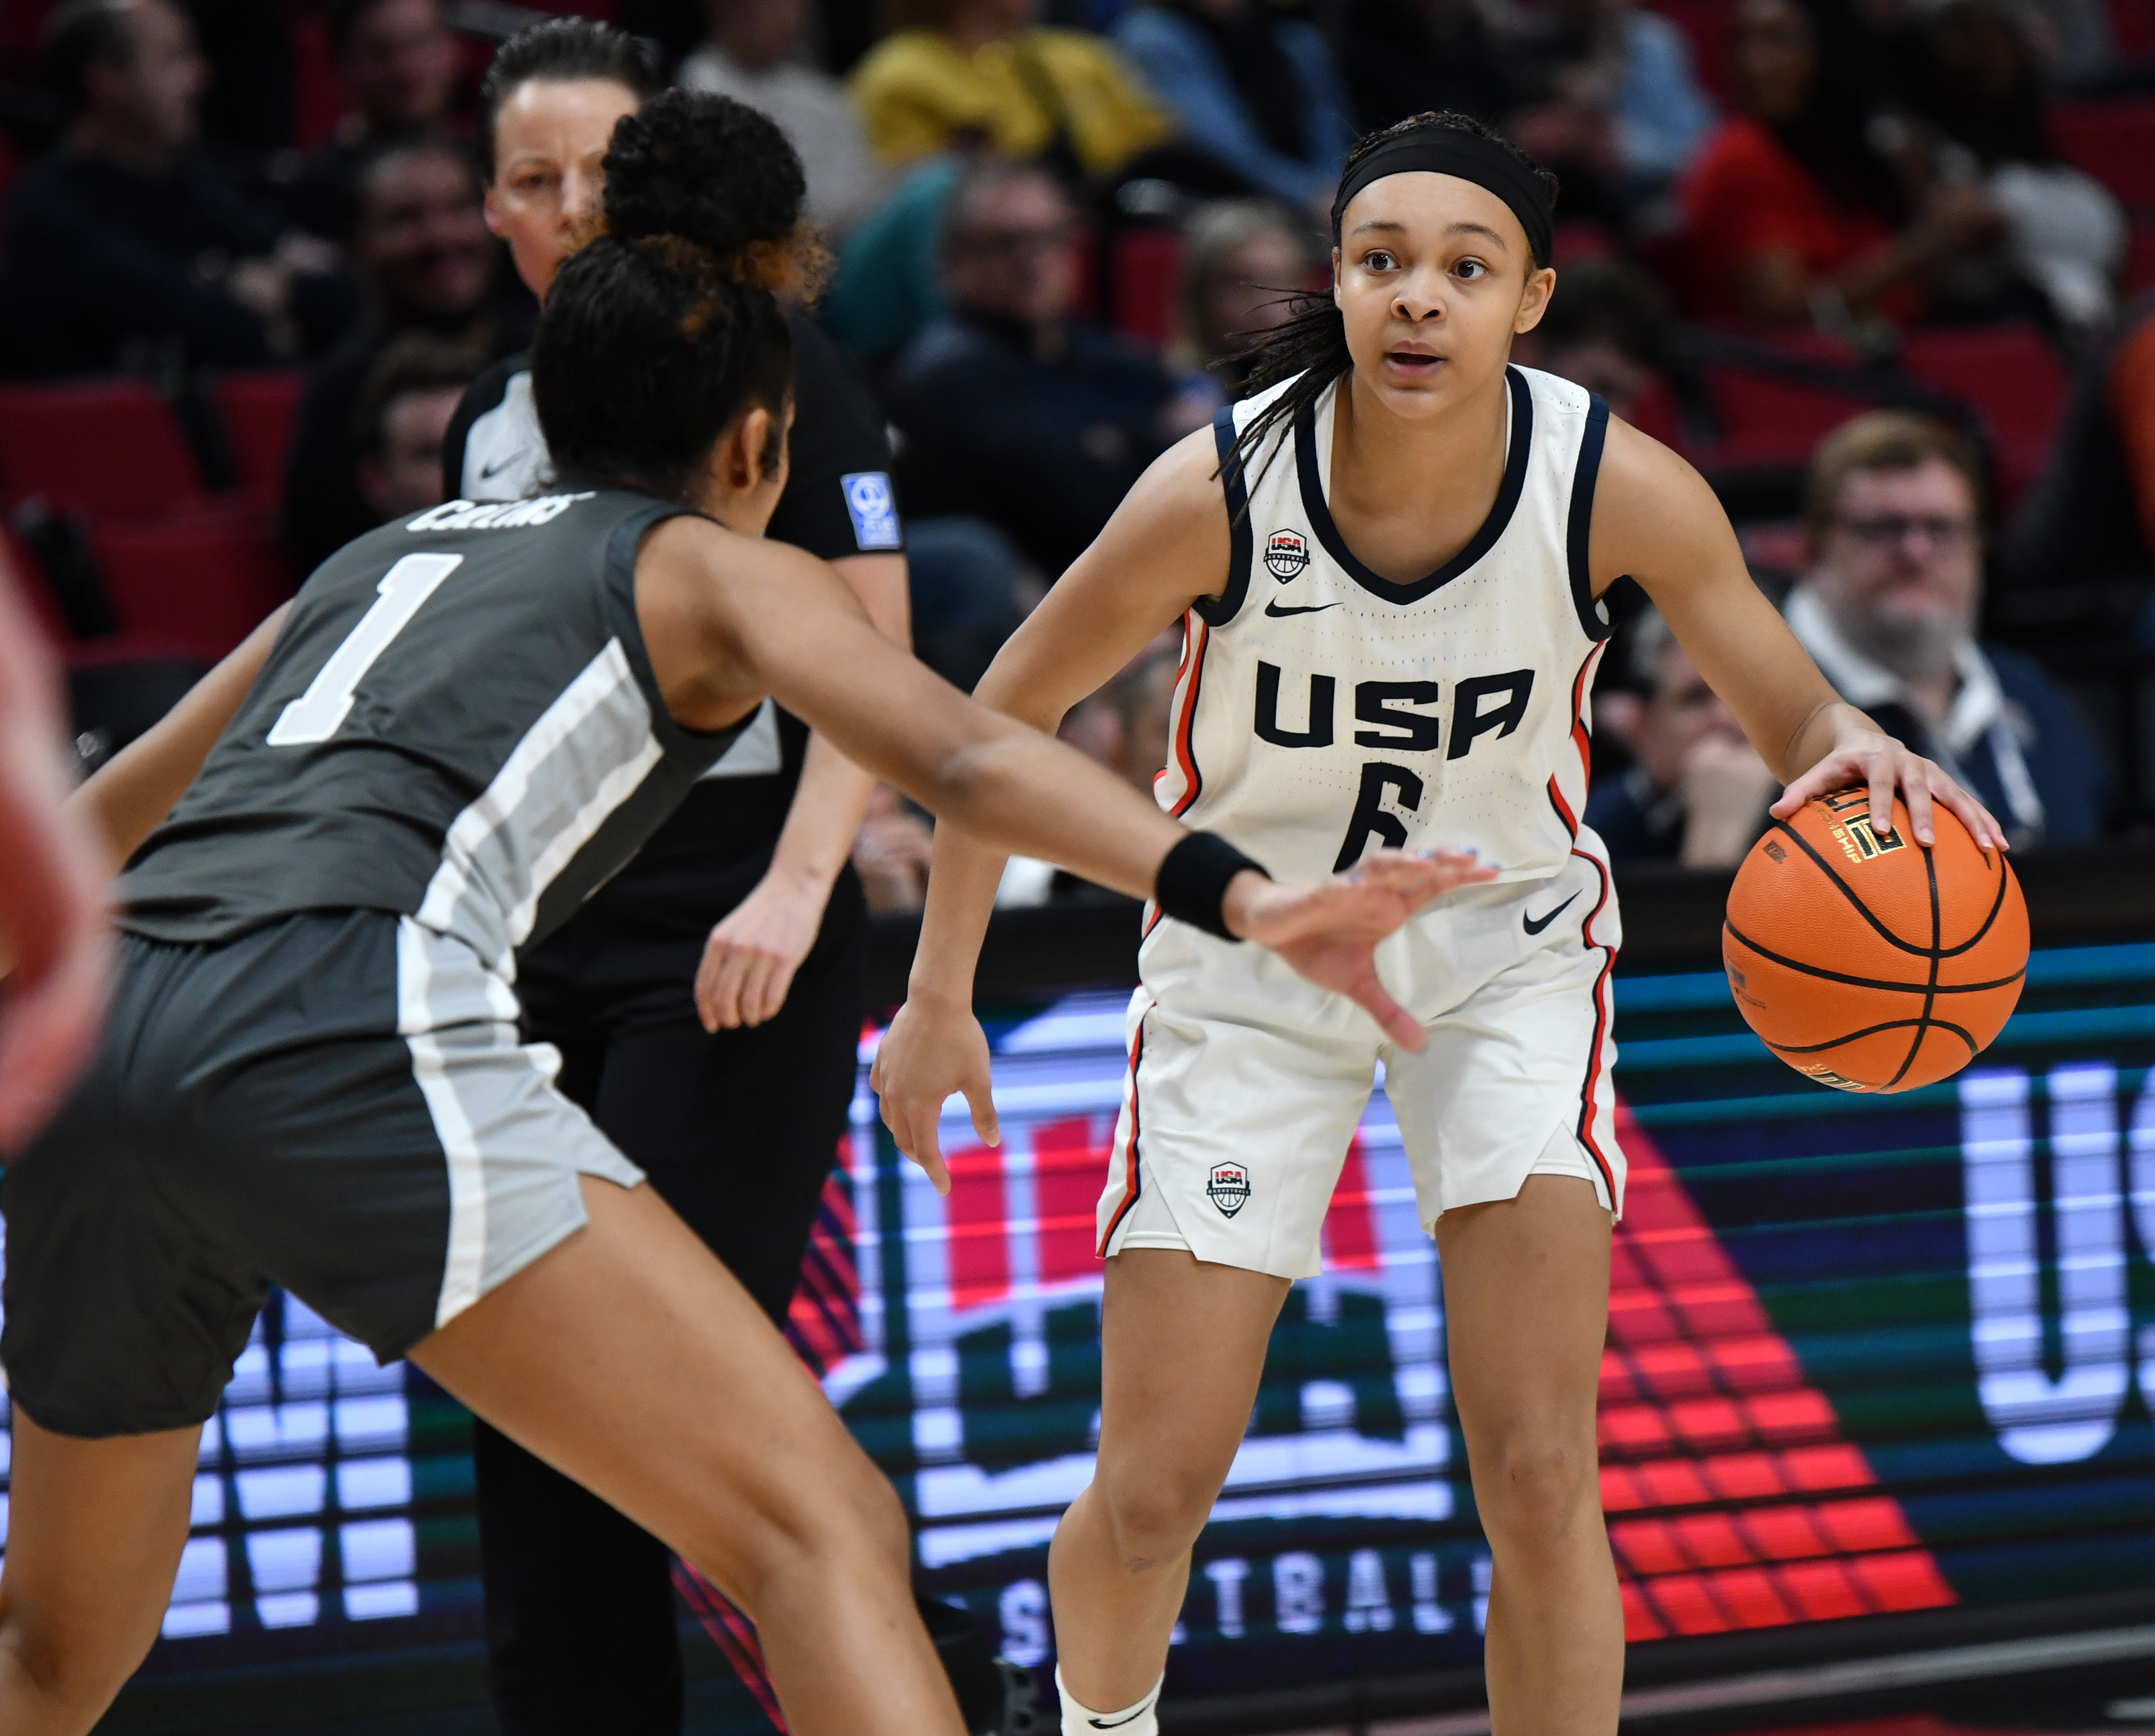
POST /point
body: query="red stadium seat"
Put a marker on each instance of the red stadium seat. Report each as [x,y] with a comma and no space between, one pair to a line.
[1585,238]
[106,448]
[1147,274]
[1655,413]
[199,585]
[1765,419]
[258,408]
[2013,375]
[2113,142]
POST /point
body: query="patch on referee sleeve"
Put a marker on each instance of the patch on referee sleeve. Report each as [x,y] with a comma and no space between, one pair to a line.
[874,509]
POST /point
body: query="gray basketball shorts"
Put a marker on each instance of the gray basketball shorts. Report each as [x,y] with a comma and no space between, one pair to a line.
[339,1104]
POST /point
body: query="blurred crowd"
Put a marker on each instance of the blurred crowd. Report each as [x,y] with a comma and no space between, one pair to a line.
[1879,267]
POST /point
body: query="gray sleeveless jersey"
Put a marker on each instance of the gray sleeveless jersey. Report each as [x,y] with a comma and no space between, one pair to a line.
[458,723]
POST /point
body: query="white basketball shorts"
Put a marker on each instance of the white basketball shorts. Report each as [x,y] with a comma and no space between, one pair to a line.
[1246,1082]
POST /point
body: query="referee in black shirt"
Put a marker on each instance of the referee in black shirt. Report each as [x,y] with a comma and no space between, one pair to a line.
[747,893]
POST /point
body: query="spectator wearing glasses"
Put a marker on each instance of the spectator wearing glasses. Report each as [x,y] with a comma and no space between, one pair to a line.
[1888,610]
[1015,413]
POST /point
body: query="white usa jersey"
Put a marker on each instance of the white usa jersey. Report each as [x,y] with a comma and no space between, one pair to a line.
[1322,711]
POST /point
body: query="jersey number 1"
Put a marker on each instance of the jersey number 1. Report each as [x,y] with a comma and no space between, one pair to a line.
[317,713]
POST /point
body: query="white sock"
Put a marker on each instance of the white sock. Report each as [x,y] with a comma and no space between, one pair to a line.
[1141,1720]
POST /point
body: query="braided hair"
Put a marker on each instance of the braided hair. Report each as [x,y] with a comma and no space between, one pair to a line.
[1308,348]
[668,324]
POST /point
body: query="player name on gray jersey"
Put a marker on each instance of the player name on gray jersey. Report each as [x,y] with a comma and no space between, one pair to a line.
[456,725]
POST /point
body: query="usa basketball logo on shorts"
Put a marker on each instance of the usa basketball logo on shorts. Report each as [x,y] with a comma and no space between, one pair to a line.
[1286,554]
[1229,1186]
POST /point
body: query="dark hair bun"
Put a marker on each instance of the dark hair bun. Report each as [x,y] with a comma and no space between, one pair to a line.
[706,168]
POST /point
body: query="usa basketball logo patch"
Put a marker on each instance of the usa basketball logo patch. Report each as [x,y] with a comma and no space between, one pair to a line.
[1286,554]
[1229,1188]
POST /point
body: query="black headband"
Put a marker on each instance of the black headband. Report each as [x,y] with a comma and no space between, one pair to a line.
[1447,150]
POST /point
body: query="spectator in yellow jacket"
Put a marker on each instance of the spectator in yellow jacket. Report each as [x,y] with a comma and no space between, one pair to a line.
[957,70]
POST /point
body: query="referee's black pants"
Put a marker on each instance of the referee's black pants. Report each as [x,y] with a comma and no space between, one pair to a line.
[738,1132]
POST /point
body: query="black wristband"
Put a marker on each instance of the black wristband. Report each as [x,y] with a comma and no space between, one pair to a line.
[1191,885]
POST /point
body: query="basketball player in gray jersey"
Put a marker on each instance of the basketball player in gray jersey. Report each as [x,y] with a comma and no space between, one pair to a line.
[728,953]
[311,1073]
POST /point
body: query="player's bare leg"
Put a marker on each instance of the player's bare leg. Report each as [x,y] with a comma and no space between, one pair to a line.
[629,1359]
[96,1528]
[1182,1349]
[1526,1306]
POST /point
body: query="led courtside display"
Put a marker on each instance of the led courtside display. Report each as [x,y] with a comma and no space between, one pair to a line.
[1866,1354]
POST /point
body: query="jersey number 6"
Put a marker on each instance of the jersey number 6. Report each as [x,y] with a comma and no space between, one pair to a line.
[317,713]
[1371,823]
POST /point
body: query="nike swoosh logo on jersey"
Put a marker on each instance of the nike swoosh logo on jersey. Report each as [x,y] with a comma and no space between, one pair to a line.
[1535,928]
[489,472]
[1315,608]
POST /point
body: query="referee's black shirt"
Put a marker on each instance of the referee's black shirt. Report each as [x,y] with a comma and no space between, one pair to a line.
[837,502]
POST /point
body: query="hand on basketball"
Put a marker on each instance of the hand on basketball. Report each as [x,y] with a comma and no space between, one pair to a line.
[749,961]
[1869,756]
[1328,929]
[929,1053]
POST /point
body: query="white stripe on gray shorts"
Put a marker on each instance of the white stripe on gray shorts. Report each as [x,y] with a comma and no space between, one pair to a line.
[513,1146]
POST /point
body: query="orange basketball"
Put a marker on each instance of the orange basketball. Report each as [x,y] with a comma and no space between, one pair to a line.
[1870,964]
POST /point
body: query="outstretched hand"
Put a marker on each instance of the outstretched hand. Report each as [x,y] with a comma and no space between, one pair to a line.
[1873,758]
[1328,929]
[930,1051]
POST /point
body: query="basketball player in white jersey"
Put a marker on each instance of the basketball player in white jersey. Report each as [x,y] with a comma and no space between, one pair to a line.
[1387,563]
